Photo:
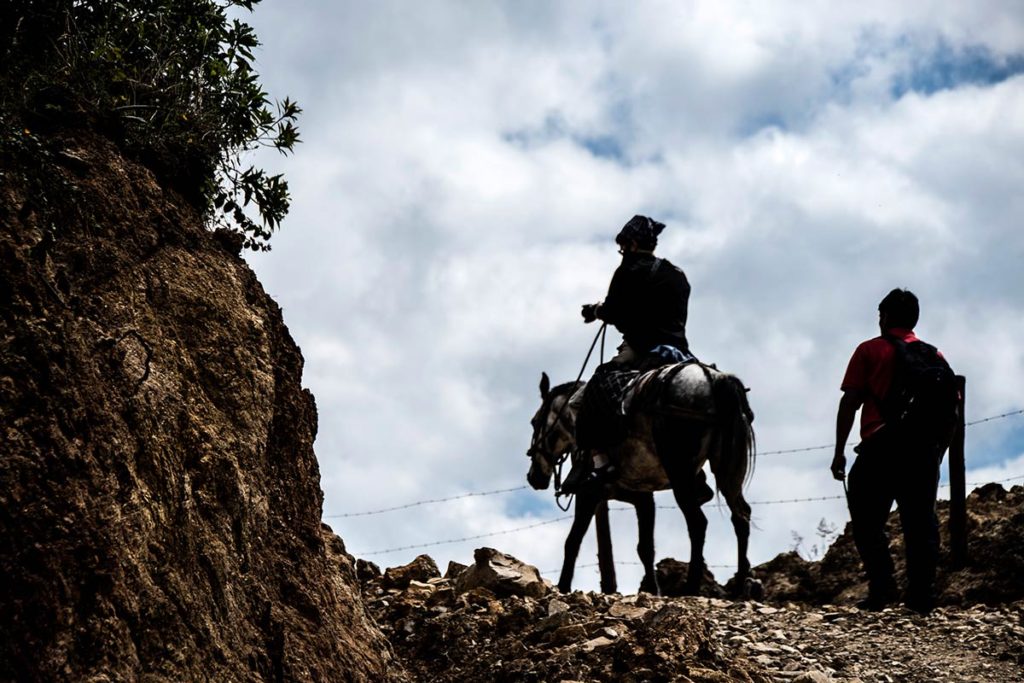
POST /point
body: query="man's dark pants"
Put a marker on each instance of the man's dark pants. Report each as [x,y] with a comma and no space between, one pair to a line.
[894,468]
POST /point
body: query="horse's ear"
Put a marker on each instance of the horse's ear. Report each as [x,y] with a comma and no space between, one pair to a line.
[545,385]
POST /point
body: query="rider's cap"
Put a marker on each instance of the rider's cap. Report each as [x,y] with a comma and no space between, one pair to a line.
[642,230]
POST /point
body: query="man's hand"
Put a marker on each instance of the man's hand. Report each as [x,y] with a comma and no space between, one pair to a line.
[589,312]
[849,404]
[839,467]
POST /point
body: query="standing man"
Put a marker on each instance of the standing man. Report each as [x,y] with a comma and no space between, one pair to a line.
[909,401]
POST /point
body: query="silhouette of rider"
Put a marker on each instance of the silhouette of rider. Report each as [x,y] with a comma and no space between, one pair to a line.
[647,302]
[647,299]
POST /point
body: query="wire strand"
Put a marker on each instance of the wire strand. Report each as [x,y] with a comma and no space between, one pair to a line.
[520,488]
[467,538]
[568,517]
[424,502]
[994,417]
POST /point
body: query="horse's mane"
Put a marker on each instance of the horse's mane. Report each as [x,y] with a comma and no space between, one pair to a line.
[565,388]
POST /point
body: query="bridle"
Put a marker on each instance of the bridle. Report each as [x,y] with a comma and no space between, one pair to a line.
[555,461]
[537,446]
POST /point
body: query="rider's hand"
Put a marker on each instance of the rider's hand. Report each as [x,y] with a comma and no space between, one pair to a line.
[589,313]
[839,467]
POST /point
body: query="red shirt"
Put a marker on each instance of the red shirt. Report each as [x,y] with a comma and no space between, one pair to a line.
[870,373]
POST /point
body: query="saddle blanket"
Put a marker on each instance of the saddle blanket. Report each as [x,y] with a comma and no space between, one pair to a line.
[645,389]
[609,397]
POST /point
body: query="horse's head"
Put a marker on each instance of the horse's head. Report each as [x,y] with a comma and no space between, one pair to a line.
[553,431]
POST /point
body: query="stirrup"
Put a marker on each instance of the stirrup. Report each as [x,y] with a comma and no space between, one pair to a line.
[577,474]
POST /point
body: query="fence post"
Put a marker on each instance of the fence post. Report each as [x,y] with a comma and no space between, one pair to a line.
[958,486]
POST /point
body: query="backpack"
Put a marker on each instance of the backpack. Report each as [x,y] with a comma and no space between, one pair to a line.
[923,399]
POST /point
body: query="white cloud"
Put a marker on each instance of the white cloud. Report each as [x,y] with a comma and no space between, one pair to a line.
[449,219]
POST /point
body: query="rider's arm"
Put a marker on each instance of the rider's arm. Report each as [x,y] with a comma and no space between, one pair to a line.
[610,310]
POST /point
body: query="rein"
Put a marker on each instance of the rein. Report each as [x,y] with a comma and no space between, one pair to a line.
[556,461]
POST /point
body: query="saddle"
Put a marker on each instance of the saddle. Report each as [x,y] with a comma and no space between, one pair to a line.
[649,388]
[614,392]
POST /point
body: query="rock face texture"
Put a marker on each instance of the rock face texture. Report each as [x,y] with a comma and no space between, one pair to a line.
[159,496]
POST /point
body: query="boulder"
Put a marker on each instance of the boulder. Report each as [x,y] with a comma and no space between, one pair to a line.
[422,569]
[502,574]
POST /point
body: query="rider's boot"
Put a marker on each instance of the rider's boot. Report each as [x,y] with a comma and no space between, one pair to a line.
[603,469]
[582,464]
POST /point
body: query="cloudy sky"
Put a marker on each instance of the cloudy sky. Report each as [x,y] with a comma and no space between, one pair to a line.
[466,165]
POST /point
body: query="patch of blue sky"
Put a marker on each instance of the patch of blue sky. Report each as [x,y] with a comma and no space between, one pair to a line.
[552,128]
[610,144]
[753,125]
[843,77]
[946,68]
[602,146]
[993,450]
[531,504]
[982,451]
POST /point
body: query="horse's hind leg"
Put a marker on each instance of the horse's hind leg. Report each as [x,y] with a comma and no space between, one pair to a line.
[679,446]
[586,503]
[605,559]
[644,504]
[740,510]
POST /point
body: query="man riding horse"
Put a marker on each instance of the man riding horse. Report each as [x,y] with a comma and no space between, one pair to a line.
[647,302]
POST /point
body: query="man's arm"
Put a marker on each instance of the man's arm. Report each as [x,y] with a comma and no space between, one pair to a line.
[845,416]
[610,310]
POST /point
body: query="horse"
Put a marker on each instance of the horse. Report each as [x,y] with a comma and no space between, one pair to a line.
[702,415]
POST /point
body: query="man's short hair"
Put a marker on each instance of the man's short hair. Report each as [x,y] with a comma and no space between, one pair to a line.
[901,308]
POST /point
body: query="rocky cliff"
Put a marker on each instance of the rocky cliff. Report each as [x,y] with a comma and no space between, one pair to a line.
[159,496]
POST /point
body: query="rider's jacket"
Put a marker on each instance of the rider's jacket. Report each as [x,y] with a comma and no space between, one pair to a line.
[647,301]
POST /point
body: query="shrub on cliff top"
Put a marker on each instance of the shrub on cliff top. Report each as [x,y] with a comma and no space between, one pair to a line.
[172,81]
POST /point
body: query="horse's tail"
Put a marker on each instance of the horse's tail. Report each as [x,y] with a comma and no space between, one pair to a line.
[736,443]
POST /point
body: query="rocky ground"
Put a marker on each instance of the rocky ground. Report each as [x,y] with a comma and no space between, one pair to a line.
[443,634]
[993,574]
[499,621]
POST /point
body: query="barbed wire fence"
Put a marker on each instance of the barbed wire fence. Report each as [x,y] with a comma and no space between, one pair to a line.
[563,518]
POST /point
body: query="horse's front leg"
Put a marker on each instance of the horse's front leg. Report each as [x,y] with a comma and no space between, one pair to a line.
[605,559]
[586,504]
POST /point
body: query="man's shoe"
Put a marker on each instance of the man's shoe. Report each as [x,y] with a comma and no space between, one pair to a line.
[922,606]
[879,599]
[600,476]
[874,604]
[573,480]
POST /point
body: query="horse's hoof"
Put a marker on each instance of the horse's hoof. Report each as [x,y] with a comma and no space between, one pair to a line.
[745,588]
[690,589]
[753,589]
[565,588]
[649,586]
